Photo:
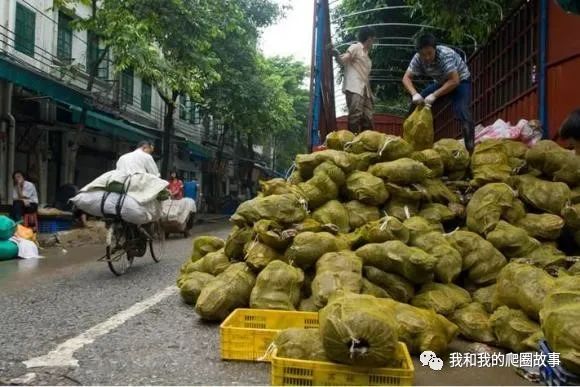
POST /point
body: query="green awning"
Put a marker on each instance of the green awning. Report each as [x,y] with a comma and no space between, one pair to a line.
[112,126]
[199,151]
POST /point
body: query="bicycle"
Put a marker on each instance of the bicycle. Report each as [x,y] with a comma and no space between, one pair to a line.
[126,241]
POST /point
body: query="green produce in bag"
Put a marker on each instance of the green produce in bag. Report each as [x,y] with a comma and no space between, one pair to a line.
[437,213]
[273,234]
[449,260]
[338,139]
[437,192]
[405,201]
[432,160]
[302,344]
[318,190]
[369,141]
[485,296]
[574,269]
[371,289]
[419,226]
[192,285]
[571,214]
[481,260]
[308,247]
[366,188]
[403,171]
[306,163]
[204,245]
[512,328]
[365,160]
[473,322]
[442,298]
[490,163]
[542,226]
[336,174]
[455,157]
[394,256]
[259,255]
[308,305]
[277,287]
[276,186]
[418,128]
[543,195]
[512,241]
[212,263]
[421,329]
[397,287]
[559,316]
[284,209]
[360,214]
[523,287]
[516,149]
[548,157]
[570,171]
[336,272]
[236,241]
[516,213]
[487,206]
[228,291]
[356,330]
[335,213]
[386,229]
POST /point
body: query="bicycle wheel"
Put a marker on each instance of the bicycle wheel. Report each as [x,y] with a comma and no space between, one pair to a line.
[157,241]
[118,259]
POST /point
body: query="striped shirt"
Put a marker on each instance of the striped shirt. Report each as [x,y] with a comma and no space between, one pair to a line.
[446,61]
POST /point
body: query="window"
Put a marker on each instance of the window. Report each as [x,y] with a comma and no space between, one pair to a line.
[193,114]
[64,41]
[146,97]
[127,87]
[93,53]
[24,34]
[183,108]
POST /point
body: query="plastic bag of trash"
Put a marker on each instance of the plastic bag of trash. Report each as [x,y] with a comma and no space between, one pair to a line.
[306,163]
[396,286]
[341,271]
[403,171]
[455,157]
[523,287]
[490,163]
[542,226]
[436,191]
[338,139]
[366,188]
[308,247]
[303,344]
[258,255]
[421,329]
[449,260]
[204,245]
[543,195]
[284,209]
[473,322]
[484,296]
[481,260]
[212,263]
[437,213]
[236,241]
[191,286]
[432,160]
[273,234]
[559,316]
[277,287]
[487,205]
[512,241]
[386,229]
[360,214]
[356,330]
[418,128]
[405,201]
[228,291]
[394,256]
[371,289]
[335,213]
[442,298]
[512,328]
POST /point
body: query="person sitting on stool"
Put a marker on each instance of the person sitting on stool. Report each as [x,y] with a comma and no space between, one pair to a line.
[25,197]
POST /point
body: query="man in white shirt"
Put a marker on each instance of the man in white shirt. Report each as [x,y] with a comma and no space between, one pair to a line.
[356,85]
[139,161]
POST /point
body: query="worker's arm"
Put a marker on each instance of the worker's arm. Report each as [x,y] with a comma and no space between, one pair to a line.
[349,56]
[408,82]
[448,87]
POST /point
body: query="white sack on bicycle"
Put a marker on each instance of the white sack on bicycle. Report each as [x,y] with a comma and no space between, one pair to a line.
[177,210]
[142,187]
[130,211]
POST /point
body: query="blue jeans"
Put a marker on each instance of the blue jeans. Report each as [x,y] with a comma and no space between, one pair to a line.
[460,97]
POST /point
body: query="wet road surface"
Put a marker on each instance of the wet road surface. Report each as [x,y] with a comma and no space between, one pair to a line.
[76,323]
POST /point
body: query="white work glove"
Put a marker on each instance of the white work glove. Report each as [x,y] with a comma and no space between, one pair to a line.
[430,100]
[418,99]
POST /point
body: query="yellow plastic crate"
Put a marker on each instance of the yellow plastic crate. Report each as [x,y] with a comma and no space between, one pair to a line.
[247,333]
[294,372]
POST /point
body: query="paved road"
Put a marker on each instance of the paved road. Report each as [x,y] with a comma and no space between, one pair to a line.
[101,330]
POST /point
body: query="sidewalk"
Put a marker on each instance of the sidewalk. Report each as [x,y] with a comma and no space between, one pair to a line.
[210,218]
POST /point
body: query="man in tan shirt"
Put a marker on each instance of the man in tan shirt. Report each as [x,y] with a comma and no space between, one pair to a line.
[356,85]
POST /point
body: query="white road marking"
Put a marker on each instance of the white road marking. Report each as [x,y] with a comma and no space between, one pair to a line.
[63,355]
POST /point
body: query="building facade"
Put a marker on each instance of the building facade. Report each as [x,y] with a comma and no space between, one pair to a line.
[44,77]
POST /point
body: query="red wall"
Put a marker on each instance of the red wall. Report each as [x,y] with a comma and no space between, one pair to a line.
[563,66]
[384,123]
